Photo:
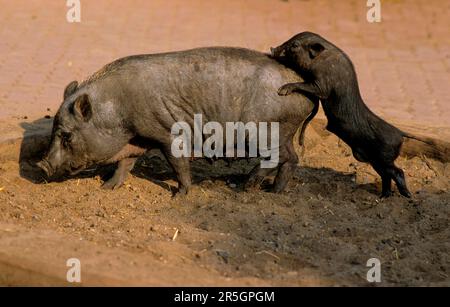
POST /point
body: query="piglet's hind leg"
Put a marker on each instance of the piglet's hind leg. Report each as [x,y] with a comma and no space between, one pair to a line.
[386,180]
[399,178]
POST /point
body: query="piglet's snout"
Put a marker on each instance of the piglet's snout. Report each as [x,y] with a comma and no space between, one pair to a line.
[277,52]
[272,51]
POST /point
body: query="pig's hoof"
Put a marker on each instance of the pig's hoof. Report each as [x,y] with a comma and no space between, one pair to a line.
[253,183]
[181,193]
[285,90]
[179,197]
[278,190]
[386,194]
[251,188]
[112,184]
[405,193]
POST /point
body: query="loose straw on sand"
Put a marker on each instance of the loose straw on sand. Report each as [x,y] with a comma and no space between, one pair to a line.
[175,235]
[268,253]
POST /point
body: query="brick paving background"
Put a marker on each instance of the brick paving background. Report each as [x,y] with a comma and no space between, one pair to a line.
[403,62]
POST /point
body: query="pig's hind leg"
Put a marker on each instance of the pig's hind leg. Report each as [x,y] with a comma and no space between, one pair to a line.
[182,170]
[287,163]
[386,179]
[399,177]
[120,175]
[389,172]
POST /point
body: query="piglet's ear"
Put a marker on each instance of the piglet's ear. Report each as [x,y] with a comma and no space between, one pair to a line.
[70,89]
[82,108]
[315,49]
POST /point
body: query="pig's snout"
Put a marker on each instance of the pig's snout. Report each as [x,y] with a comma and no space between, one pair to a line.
[46,167]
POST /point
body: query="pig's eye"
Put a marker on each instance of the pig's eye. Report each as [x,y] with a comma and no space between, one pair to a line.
[66,138]
[295,45]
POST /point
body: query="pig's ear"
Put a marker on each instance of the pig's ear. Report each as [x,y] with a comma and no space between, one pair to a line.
[82,108]
[315,49]
[70,89]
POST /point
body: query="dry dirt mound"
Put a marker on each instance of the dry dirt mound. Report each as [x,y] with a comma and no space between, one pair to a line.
[321,231]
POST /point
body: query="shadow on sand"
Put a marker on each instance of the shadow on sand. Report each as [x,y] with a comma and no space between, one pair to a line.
[154,167]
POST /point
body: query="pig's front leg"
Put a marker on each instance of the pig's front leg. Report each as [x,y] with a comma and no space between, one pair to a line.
[120,175]
[290,88]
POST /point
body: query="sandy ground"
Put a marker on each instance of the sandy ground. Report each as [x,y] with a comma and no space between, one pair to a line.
[321,231]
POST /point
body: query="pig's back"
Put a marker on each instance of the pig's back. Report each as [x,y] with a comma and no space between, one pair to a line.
[221,83]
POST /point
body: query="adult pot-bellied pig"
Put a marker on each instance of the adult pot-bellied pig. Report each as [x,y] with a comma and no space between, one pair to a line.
[131,105]
[329,75]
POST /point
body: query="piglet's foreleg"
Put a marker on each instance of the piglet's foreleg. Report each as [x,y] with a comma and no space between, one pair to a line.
[309,88]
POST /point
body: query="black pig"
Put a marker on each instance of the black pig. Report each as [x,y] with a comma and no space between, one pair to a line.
[330,76]
[130,105]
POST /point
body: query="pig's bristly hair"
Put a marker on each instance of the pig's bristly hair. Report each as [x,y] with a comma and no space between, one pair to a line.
[348,105]
[104,71]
